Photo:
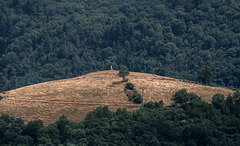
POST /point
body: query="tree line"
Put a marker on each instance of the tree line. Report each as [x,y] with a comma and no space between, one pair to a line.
[189,121]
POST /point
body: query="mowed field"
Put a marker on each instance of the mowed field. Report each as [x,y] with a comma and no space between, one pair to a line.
[75,97]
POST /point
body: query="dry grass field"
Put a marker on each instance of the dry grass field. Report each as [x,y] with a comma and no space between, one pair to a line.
[75,97]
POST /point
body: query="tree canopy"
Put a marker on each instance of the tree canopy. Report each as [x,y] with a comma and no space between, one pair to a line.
[56,39]
[205,75]
[123,72]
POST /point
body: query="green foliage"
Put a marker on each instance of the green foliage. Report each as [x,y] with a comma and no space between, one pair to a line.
[182,96]
[205,75]
[153,105]
[64,127]
[129,86]
[136,98]
[32,129]
[218,100]
[159,104]
[100,112]
[133,95]
[236,97]
[123,72]
[150,104]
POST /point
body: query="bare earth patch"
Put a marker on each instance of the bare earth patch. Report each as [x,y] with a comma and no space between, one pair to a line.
[75,97]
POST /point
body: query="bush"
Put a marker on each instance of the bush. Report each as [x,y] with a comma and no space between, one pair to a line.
[150,105]
[182,96]
[159,104]
[136,98]
[153,105]
[218,100]
[132,94]
[129,86]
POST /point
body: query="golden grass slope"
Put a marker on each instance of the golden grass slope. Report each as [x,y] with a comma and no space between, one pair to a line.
[75,97]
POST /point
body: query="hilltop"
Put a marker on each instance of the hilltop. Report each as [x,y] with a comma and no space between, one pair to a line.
[77,96]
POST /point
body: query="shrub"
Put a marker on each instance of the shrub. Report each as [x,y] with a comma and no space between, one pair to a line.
[129,86]
[136,97]
[159,104]
[132,93]
[150,104]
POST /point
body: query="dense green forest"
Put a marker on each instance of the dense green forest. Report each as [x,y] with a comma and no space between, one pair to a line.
[195,122]
[42,40]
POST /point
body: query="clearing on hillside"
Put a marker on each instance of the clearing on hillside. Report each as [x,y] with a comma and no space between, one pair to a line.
[75,97]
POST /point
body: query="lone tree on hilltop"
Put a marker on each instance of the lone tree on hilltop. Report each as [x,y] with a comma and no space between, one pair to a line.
[205,75]
[123,72]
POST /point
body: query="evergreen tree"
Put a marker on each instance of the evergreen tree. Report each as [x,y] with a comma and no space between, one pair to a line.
[123,72]
[205,75]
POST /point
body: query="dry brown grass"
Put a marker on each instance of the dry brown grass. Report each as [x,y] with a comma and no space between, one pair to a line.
[77,96]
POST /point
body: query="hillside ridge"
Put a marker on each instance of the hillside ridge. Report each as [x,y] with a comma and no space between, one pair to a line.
[75,97]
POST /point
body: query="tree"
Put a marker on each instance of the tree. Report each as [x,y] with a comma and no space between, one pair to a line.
[205,75]
[159,104]
[218,100]
[182,96]
[63,125]
[150,104]
[236,97]
[123,72]
[32,129]
[136,97]
[129,86]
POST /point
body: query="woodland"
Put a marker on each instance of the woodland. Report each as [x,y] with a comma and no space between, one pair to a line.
[56,39]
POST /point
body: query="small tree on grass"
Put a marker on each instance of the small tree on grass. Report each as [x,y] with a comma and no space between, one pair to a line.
[123,72]
[129,86]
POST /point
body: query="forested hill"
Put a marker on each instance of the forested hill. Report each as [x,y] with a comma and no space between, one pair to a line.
[54,39]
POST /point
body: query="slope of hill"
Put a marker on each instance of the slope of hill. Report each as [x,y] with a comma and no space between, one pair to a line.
[75,97]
